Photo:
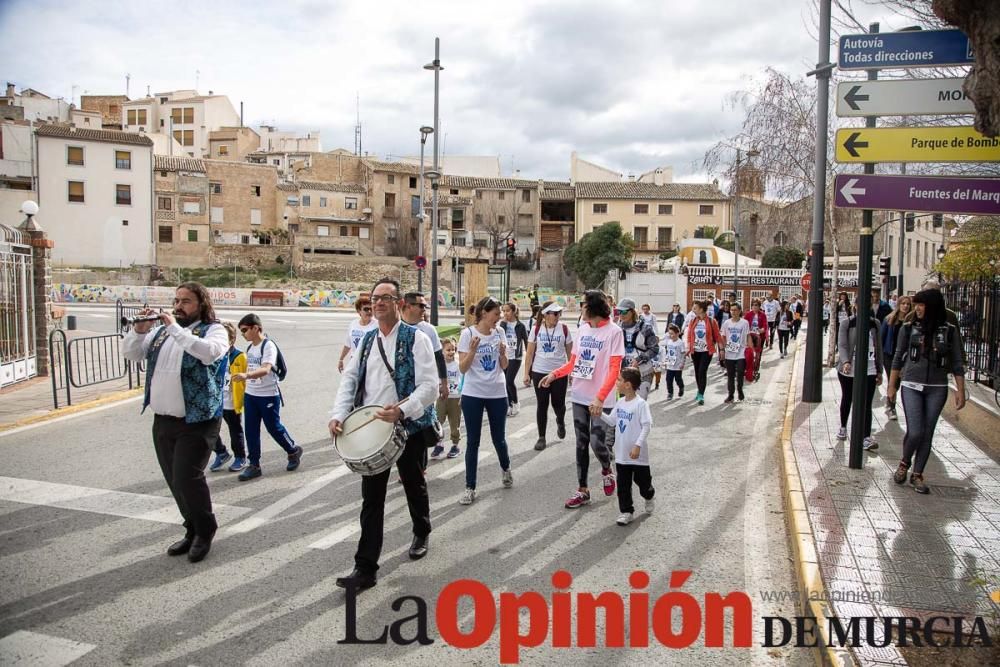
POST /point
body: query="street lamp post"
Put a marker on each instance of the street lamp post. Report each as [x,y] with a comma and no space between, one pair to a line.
[424,131]
[940,256]
[435,66]
[736,222]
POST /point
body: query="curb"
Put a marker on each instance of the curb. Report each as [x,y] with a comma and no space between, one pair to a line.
[71,409]
[807,570]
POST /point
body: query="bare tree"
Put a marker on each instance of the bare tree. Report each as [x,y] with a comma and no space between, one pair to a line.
[497,218]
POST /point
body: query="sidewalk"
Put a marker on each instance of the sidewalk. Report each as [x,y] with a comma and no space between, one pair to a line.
[881,548]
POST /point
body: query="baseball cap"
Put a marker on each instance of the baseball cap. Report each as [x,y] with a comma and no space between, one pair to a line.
[552,308]
[626,304]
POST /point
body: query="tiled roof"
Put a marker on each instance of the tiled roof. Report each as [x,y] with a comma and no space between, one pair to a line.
[239,164]
[557,191]
[82,134]
[395,167]
[287,187]
[168,163]
[686,191]
[332,187]
[488,183]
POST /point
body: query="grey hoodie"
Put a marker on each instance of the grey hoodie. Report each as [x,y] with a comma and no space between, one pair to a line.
[847,343]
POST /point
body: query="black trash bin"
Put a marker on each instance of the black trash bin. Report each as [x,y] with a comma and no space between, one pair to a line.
[70,322]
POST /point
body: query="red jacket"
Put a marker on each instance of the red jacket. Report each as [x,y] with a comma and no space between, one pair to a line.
[712,335]
[761,322]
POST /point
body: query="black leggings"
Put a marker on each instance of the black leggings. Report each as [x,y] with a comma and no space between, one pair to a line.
[513,366]
[783,336]
[557,392]
[847,392]
[701,361]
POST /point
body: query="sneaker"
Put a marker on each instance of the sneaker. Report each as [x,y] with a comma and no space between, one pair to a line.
[514,409]
[508,479]
[468,497]
[699,399]
[294,458]
[680,393]
[842,433]
[890,414]
[540,444]
[870,445]
[742,397]
[650,505]
[608,478]
[220,460]
[900,475]
[917,481]
[624,519]
[729,399]
[670,397]
[454,452]
[561,431]
[437,452]
[578,499]
[250,472]
[238,464]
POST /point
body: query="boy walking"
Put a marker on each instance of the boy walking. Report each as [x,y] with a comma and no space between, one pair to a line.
[232,407]
[632,421]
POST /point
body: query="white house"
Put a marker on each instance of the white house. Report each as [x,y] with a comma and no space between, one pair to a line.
[95,195]
[184,114]
[16,176]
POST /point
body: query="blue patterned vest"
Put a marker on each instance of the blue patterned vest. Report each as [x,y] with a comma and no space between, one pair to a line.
[201,383]
[403,375]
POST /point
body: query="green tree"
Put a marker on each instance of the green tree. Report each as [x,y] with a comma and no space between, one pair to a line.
[972,248]
[782,257]
[722,240]
[605,249]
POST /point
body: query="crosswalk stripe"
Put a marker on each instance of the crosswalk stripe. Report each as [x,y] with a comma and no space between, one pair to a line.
[275,509]
[28,649]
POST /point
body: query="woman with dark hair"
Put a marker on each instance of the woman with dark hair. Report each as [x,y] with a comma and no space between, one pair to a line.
[482,359]
[843,312]
[517,340]
[703,337]
[928,349]
[890,334]
[847,342]
[550,344]
[595,364]
[784,327]
[676,317]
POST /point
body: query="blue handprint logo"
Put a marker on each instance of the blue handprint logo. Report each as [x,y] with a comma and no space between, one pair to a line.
[622,425]
[700,333]
[734,337]
[488,363]
[548,347]
[355,340]
[587,355]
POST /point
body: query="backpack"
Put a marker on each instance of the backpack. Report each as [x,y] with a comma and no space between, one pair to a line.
[280,368]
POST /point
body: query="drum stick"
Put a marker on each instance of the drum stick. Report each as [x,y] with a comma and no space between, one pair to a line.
[361,426]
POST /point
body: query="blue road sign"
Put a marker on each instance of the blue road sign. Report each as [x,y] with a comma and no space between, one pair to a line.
[920,48]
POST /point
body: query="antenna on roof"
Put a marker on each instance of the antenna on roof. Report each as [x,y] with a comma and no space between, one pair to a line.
[357,128]
[128,78]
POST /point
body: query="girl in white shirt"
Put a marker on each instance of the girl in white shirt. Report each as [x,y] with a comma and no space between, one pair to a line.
[549,345]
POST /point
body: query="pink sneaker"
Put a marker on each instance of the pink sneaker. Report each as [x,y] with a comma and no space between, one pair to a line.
[578,499]
[609,482]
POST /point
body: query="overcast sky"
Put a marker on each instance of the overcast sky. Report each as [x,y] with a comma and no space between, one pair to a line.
[629,84]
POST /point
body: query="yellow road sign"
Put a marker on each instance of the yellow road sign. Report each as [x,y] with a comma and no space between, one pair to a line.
[916,144]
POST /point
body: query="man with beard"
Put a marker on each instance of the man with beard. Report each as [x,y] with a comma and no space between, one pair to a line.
[184,354]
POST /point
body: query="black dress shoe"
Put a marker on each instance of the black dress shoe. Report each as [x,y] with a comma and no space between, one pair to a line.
[357,579]
[179,547]
[418,548]
[200,546]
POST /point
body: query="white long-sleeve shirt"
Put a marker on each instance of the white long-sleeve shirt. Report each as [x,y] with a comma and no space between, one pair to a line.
[165,394]
[380,389]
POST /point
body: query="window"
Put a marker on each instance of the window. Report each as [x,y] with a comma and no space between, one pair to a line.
[163,174]
[457,218]
[322,202]
[255,190]
[123,195]
[415,206]
[526,196]
[164,204]
[641,237]
[123,160]
[479,219]
[909,250]
[192,236]
[76,191]
[478,243]
[223,150]
[890,247]
[255,216]
[136,117]
[351,203]
[322,230]
[344,231]
[665,209]
[413,182]
[479,194]
[166,234]
[184,137]
[458,240]
[501,220]
[277,162]
[74,155]
[781,238]
[306,200]
[216,214]
[390,199]
[926,246]
[500,195]
[191,207]
[161,122]
[392,179]
[640,209]
[665,238]
[453,191]
[600,208]
[216,188]
[364,233]
[163,100]
[182,115]
[706,209]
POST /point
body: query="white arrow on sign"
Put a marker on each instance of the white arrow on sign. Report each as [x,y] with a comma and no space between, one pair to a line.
[849,191]
[910,97]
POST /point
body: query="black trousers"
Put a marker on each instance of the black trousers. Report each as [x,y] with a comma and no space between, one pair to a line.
[510,374]
[373,487]
[783,335]
[236,439]
[847,396]
[182,451]
[556,392]
[771,326]
[735,369]
[643,479]
[701,362]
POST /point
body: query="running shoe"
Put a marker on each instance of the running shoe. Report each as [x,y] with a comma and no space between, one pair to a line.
[578,499]
[220,461]
[454,452]
[890,413]
[508,479]
[670,397]
[238,464]
[294,458]
[917,481]
[729,399]
[680,393]
[608,478]
[561,431]
[650,505]
[900,475]
[624,519]
[742,397]
[870,445]
[514,409]
[438,452]
[842,433]
[250,472]
[540,444]
[468,497]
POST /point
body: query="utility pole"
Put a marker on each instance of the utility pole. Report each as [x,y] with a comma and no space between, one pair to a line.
[436,67]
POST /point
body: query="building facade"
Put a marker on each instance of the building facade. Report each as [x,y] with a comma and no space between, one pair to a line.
[327,218]
[109,106]
[17,183]
[232,143]
[184,114]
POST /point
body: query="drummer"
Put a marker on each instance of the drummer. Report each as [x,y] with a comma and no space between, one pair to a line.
[392,361]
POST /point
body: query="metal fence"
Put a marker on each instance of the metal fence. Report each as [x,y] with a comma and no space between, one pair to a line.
[977,305]
[87,361]
[123,313]
[17,308]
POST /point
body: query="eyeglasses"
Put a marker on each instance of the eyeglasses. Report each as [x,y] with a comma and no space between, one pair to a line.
[384,298]
[366,310]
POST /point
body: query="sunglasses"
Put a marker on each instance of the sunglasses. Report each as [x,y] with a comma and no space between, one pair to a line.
[366,310]
[243,330]
[421,306]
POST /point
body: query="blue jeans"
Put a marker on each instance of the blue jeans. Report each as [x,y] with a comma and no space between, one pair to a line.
[922,411]
[472,413]
[268,410]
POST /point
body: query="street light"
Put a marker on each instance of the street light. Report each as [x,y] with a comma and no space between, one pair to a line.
[736,223]
[435,66]
[424,131]
[940,255]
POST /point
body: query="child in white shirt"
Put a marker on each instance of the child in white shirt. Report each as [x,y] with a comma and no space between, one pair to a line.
[632,420]
[450,408]
[675,352]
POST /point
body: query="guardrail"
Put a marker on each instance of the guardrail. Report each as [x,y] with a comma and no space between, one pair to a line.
[122,312]
[87,361]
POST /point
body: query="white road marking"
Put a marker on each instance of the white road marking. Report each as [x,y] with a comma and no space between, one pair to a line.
[459,468]
[56,420]
[100,501]
[28,649]
[523,431]
[276,508]
[336,537]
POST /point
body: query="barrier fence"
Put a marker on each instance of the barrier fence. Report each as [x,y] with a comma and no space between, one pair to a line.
[87,361]
[977,305]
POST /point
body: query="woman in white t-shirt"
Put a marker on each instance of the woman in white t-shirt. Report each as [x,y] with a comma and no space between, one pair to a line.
[357,330]
[736,338]
[482,359]
[549,346]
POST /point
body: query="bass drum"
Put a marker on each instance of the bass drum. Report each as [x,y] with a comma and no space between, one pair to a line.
[368,445]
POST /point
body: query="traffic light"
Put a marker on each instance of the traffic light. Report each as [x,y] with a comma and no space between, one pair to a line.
[884,269]
[511,248]
[938,220]
[809,261]
[911,222]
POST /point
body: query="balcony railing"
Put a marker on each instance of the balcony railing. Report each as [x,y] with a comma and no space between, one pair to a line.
[655,246]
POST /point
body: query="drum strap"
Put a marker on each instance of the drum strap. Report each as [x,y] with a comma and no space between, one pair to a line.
[385,359]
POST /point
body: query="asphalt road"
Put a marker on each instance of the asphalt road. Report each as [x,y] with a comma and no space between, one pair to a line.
[85,518]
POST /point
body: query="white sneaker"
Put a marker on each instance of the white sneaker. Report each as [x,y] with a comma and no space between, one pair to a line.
[650,506]
[870,445]
[842,434]
[514,409]
[890,413]
[467,497]
[508,479]
[624,519]
[510,410]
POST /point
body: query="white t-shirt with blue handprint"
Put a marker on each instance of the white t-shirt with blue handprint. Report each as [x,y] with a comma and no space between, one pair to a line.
[485,378]
[632,421]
